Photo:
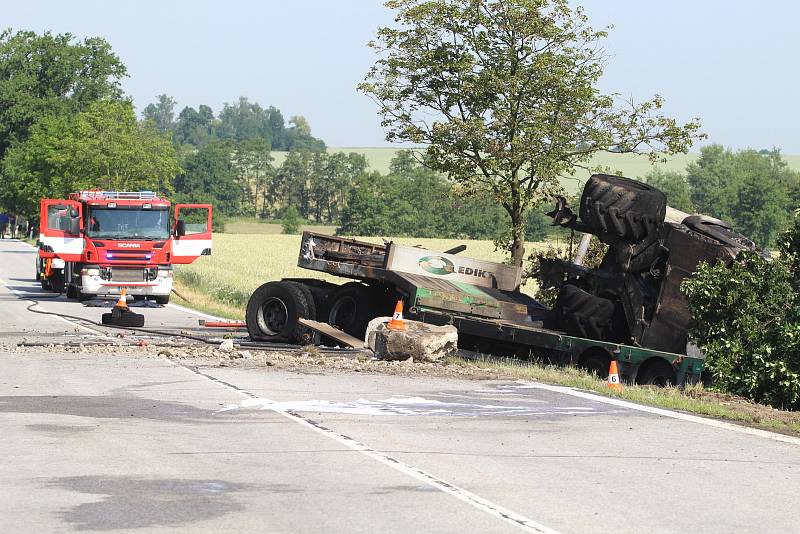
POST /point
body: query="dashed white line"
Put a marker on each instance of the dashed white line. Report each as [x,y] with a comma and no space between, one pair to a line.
[476,501]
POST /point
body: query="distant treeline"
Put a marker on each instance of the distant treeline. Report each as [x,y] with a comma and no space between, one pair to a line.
[754,190]
[238,122]
[339,189]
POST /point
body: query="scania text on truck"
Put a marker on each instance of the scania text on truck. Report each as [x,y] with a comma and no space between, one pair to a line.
[95,243]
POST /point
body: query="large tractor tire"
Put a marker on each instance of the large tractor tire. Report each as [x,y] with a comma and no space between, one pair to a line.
[352,306]
[582,314]
[273,312]
[719,230]
[614,207]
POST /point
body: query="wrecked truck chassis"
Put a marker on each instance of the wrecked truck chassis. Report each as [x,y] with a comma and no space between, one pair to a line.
[489,319]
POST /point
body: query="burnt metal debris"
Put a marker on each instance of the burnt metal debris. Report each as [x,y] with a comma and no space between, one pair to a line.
[634,296]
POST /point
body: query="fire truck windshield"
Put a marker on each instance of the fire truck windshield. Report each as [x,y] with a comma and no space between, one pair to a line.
[128,223]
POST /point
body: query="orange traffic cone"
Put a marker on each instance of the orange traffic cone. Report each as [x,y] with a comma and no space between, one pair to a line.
[122,303]
[613,377]
[397,319]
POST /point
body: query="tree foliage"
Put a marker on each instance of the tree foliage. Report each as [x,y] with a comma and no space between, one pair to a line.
[747,323]
[162,113]
[675,186]
[504,95]
[51,75]
[209,176]
[414,201]
[754,190]
[103,147]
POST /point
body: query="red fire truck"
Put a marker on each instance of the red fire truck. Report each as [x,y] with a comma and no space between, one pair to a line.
[98,242]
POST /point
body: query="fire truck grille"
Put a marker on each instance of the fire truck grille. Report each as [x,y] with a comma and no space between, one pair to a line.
[127,275]
[131,255]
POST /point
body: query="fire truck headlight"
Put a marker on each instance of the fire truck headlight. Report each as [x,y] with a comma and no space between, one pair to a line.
[90,272]
[165,273]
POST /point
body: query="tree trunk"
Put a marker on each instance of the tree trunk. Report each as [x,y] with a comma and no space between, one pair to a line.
[517,223]
[517,238]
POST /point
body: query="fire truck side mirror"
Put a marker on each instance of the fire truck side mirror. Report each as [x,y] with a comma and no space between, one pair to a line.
[75,226]
[180,228]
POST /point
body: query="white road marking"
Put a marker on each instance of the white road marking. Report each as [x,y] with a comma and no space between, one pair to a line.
[28,298]
[194,312]
[414,406]
[663,412]
[462,494]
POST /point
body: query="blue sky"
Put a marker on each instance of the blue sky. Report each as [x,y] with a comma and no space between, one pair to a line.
[732,63]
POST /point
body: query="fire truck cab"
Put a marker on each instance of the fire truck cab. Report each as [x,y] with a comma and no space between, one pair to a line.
[96,243]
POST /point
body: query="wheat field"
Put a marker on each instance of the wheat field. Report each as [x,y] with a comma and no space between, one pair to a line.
[242,262]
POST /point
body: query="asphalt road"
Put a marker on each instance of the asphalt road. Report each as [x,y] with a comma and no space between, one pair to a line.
[94,442]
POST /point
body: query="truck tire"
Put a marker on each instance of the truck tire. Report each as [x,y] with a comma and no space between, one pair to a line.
[582,314]
[130,319]
[596,361]
[622,208]
[656,372]
[273,311]
[161,299]
[72,291]
[352,307]
[57,282]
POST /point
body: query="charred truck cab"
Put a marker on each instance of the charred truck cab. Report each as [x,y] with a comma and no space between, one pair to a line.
[96,243]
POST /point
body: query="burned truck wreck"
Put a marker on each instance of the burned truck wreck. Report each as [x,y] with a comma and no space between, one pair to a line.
[634,295]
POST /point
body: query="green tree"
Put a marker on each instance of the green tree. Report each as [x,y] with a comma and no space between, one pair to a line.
[195,126]
[290,223]
[162,113]
[675,186]
[253,162]
[44,75]
[753,190]
[277,127]
[210,177]
[103,147]
[504,94]
[292,183]
[244,120]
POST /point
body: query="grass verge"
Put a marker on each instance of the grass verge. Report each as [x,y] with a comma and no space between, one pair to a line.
[692,399]
[199,300]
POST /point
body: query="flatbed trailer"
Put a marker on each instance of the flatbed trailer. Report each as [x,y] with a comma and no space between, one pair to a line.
[479,298]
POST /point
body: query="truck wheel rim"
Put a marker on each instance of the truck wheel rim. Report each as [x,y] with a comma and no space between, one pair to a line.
[272,316]
[342,312]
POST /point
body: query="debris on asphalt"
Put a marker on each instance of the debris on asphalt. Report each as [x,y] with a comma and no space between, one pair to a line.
[418,341]
[304,360]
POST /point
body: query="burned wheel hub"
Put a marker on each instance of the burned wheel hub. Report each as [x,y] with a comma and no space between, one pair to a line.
[272,316]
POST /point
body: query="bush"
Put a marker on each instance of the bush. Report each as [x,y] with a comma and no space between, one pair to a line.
[747,323]
[290,223]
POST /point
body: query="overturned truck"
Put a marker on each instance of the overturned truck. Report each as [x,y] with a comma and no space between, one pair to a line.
[630,308]
[634,295]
